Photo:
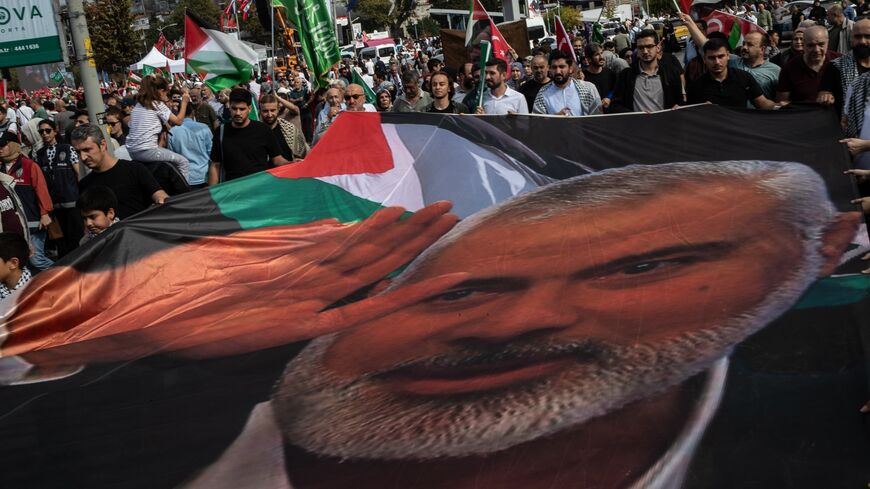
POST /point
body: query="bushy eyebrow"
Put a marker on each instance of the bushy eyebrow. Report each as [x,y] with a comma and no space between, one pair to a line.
[711,250]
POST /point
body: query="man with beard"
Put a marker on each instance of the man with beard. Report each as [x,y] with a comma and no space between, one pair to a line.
[800,78]
[840,30]
[843,71]
[441,103]
[290,138]
[537,357]
[751,58]
[648,85]
[244,146]
[598,74]
[566,95]
[465,81]
[540,77]
[500,99]
[202,112]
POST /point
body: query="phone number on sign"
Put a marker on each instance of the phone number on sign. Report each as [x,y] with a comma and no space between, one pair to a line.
[18,49]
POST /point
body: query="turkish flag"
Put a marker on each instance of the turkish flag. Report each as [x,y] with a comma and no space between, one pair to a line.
[563,42]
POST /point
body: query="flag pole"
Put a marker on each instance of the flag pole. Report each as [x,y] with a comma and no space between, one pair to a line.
[485,53]
[274,57]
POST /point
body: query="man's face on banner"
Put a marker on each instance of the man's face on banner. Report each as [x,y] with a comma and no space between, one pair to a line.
[562,319]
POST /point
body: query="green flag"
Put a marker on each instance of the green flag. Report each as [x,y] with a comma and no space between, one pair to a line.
[316,31]
[485,54]
[597,34]
[356,78]
[147,70]
[57,76]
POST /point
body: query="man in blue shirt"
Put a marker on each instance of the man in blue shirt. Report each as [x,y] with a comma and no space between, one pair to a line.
[193,140]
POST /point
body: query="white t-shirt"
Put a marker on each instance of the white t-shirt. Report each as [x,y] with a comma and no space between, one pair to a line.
[511,101]
[145,126]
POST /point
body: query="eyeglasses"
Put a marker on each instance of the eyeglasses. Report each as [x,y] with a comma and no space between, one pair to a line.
[45,131]
[353,96]
[115,123]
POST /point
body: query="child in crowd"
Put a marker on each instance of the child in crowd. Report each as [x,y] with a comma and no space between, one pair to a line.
[97,206]
[14,252]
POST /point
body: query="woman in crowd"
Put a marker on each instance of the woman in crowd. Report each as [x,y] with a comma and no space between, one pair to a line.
[384,102]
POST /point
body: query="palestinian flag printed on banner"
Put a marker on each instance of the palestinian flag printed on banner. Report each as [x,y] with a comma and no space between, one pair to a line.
[343,181]
[482,28]
[734,27]
[219,59]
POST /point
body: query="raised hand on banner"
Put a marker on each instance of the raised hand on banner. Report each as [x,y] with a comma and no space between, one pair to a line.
[227,295]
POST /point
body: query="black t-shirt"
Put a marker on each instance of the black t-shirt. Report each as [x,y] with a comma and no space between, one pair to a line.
[132,183]
[286,151]
[604,81]
[452,108]
[530,90]
[246,150]
[737,90]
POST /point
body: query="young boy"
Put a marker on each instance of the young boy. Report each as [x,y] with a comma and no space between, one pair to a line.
[14,252]
[97,206]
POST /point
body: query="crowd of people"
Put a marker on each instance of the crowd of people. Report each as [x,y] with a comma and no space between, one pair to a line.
[66,181]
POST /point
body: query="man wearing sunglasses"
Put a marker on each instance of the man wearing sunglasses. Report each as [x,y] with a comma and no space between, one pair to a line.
[355,99]
[60,165]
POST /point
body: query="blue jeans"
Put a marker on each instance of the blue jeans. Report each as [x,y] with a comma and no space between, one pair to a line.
[39,262]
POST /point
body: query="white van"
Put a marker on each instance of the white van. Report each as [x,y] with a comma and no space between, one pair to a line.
[384,51]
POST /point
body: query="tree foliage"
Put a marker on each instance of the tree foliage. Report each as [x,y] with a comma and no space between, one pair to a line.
[570,17]
[428,26]
[385,14]
[204,9]
[114,41]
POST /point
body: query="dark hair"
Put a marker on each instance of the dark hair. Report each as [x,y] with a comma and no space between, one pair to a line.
[268,99]
[13,245]
[445,75]
[499,64]
[609,45]
[558,54]
[592,48]
[432,62]
[115,111]
[241,95]
[97,198]
[48,104]
[410,76]
[48,122]
[715,44]
[148,92]
[647,33]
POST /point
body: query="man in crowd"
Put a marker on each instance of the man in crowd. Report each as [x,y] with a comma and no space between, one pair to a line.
[60,166]
[621,40]
[331,108]
[465,82]
[441,103]
[290,138]
[566,95]
[7,124]
[540,77]
[132,183]
[750,60]
[395,77]
[32,190]
[838,77]
[355,99]
[244,146]
[203,112]
[840,30]
[765,18]
[598,74]
[193,140]
[724,85]
[800,78]
[648,85]
[63,118]
[500,99]
[412,99]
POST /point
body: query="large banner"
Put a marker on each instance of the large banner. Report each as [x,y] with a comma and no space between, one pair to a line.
[28,33]
[458,302]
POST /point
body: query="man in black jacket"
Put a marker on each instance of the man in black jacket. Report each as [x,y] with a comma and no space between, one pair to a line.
[654,81]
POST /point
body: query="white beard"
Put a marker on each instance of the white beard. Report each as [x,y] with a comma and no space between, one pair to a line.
[361,418]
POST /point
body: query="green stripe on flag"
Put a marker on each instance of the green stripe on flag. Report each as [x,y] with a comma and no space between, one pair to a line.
[308,200]
[835,291]
[736,35]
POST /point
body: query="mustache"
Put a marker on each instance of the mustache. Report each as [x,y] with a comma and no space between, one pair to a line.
[586,351]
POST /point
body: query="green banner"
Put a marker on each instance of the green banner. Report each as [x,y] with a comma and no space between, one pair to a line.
[316,31]
[27,52]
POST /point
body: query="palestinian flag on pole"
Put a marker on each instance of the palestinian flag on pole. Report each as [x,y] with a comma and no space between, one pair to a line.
[219,59]
[482,28]
[734,27]
[133,78]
